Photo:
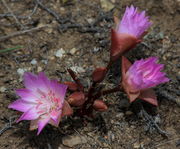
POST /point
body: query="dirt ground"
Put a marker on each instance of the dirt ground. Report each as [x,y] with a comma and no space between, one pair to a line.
[75,34]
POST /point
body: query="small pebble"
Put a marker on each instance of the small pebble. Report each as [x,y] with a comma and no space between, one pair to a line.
[52,58]
[73,51]
[136,145]
[45,62]
[39,69]
[21,71]
[2,89]
[73,140]
[106,5]
[34,62]
[49,30]
[77,69]
[60,53]
[157,119]
[120,115]
[128,113]
[62,8]
[90,20]
[96,49]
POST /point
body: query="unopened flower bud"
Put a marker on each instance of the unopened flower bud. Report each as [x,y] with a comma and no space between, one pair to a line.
[99,74]
[99,105]
[76,99]
[71,86]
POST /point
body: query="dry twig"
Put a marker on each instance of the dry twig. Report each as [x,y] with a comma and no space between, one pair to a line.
[151,122]
[168,96]
[22,32]
[163,143]
[8,125]
[21,17]
[51,12]
[7,7]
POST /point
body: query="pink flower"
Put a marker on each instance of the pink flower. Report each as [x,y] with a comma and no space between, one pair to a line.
[128,32]
[146,73]
[42,101]
[133,22]
[137,79]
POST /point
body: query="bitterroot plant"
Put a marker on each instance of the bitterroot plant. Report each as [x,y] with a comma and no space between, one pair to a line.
[44,101]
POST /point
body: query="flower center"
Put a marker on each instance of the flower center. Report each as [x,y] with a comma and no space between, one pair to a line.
[48,102]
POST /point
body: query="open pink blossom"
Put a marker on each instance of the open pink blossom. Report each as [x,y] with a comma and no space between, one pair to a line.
[146,73]
[42,101]
[133,22]
[137,79]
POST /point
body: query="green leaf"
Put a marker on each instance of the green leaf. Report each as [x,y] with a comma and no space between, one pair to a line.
[11,49]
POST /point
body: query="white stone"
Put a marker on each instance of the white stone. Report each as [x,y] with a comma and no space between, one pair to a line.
[90,20]
[96,49]
[136,145]
[73,140]
[106,5]
[73,51]
[34,62]
[77,69]
[39,69]
[21,71]
[45,61]
[2,89]
[60,53]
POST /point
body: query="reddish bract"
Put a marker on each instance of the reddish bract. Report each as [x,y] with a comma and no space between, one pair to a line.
[71,86]
[100,105]
[99,74]
[121,43]
[76,99]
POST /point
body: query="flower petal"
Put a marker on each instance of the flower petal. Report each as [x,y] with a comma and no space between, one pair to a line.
[42,123]
[55,116]
[43,82]
[30,81]
[59,89]
[31,114]
[27,95]
[134,22]
[21,105]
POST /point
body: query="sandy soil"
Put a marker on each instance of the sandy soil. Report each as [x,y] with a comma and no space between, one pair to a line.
[82,31]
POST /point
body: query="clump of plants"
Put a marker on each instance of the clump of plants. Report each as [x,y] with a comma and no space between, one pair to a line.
[44,101]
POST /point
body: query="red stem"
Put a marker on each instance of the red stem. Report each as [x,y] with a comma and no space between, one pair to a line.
[76,79]
[106,92]
[90,98]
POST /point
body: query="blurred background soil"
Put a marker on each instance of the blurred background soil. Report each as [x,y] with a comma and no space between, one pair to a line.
[60,34]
